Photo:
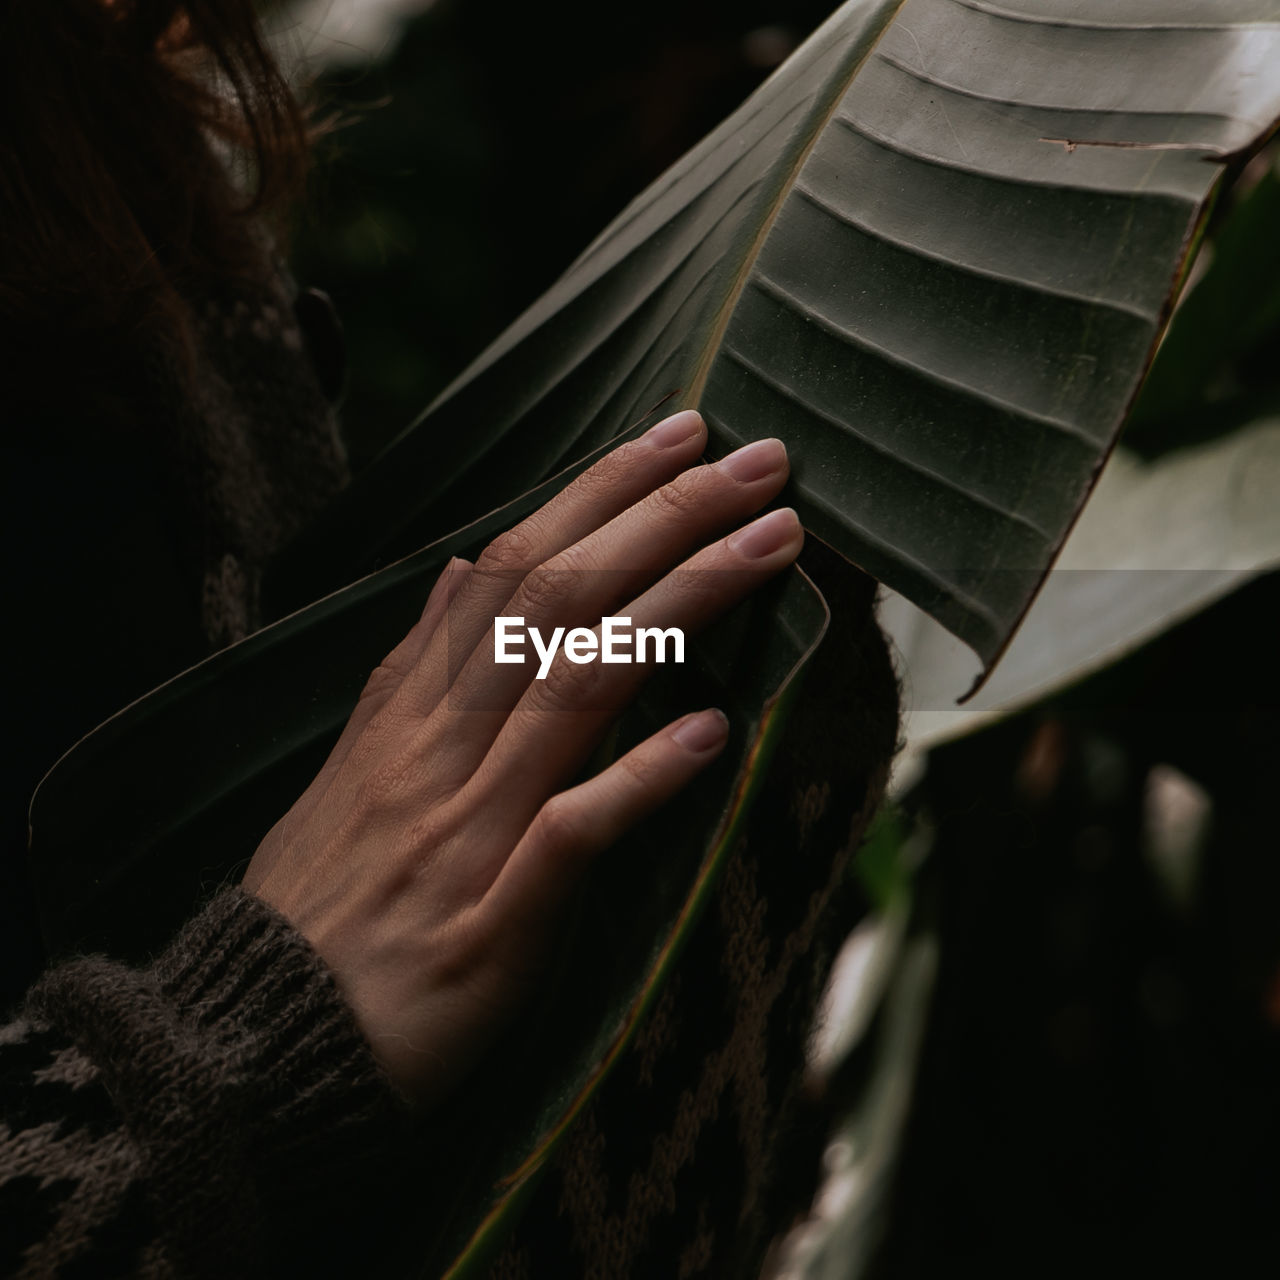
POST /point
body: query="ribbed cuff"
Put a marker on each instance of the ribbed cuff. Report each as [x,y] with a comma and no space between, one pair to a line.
[262,1119]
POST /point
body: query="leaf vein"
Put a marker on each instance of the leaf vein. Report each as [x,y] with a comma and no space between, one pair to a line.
[796,396]
[985,273]
[961,91]
[851,337]
[1041,20]
[863,130]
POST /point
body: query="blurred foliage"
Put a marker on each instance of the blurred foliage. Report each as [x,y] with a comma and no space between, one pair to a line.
[882,867]
[1098,1090]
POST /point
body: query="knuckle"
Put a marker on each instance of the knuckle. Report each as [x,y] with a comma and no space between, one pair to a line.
[386,786]
[428,834]
[547,589]
[561,825]
[366,751]
[509,552]
[681,497]
[570,686]
[382,682]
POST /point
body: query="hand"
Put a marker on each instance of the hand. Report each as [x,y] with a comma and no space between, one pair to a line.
[428,861]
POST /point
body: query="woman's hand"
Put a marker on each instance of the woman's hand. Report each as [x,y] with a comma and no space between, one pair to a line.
[428,861]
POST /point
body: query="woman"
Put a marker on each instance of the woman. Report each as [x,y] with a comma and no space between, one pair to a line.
[166,434]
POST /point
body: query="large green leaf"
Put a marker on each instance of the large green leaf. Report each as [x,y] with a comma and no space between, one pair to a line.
[934,252]
[1170,529]
[173,794]
[1160,540]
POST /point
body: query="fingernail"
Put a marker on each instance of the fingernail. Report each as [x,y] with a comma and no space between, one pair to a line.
[754,461]
[765,536]
[702,730]
[675,430]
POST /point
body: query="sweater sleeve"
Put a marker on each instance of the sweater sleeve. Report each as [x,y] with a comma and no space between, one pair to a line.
[216,1114]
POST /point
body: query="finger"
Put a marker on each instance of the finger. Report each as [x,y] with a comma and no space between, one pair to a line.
[557,722]
[577,824]
[618,481]
[615,562]
[401,660]
[592,578]
[393,669]
[385,680]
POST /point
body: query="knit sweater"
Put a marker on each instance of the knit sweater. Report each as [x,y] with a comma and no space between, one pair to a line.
[189,1119]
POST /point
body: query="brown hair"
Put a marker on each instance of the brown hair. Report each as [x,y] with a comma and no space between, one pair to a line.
[116,203]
